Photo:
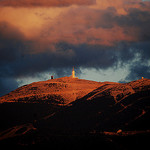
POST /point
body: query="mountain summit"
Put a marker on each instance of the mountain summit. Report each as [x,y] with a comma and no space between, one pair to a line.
[59,91]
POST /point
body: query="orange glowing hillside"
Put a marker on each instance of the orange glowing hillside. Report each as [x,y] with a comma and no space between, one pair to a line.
[60,91]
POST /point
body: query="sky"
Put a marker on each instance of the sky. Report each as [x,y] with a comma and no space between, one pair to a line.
[105,40]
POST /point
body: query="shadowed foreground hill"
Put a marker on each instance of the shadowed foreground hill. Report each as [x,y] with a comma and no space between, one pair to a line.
[93,116]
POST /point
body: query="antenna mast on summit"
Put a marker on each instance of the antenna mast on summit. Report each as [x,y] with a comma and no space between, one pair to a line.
[73,73]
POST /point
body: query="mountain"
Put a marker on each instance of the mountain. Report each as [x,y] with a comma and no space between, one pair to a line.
[106,113]
[57,91]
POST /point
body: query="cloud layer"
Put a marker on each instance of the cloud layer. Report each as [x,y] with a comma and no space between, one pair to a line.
[45,3]
[103,27]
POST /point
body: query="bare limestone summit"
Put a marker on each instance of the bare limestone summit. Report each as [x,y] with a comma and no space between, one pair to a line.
[56,91]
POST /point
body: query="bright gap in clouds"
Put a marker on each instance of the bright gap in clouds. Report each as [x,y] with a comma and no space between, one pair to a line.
[118,74]
[88,74]
[104,75]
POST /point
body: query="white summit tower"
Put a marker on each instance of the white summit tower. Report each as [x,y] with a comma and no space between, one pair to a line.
[73,73]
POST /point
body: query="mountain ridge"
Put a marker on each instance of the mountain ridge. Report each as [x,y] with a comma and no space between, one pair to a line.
[67,89]
[62,90]
[105,110]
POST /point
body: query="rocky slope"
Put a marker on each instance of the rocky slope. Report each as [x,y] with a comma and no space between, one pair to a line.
[59,91]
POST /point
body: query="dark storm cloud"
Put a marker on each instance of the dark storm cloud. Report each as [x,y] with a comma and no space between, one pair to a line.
[10,50]
[135,17]
[138,19]
[10,42]
[140,67]
[83,56]
[16,61]
[21,57]
[45,3]
[90,55]
[138,70]
[7,85]
[99,26]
